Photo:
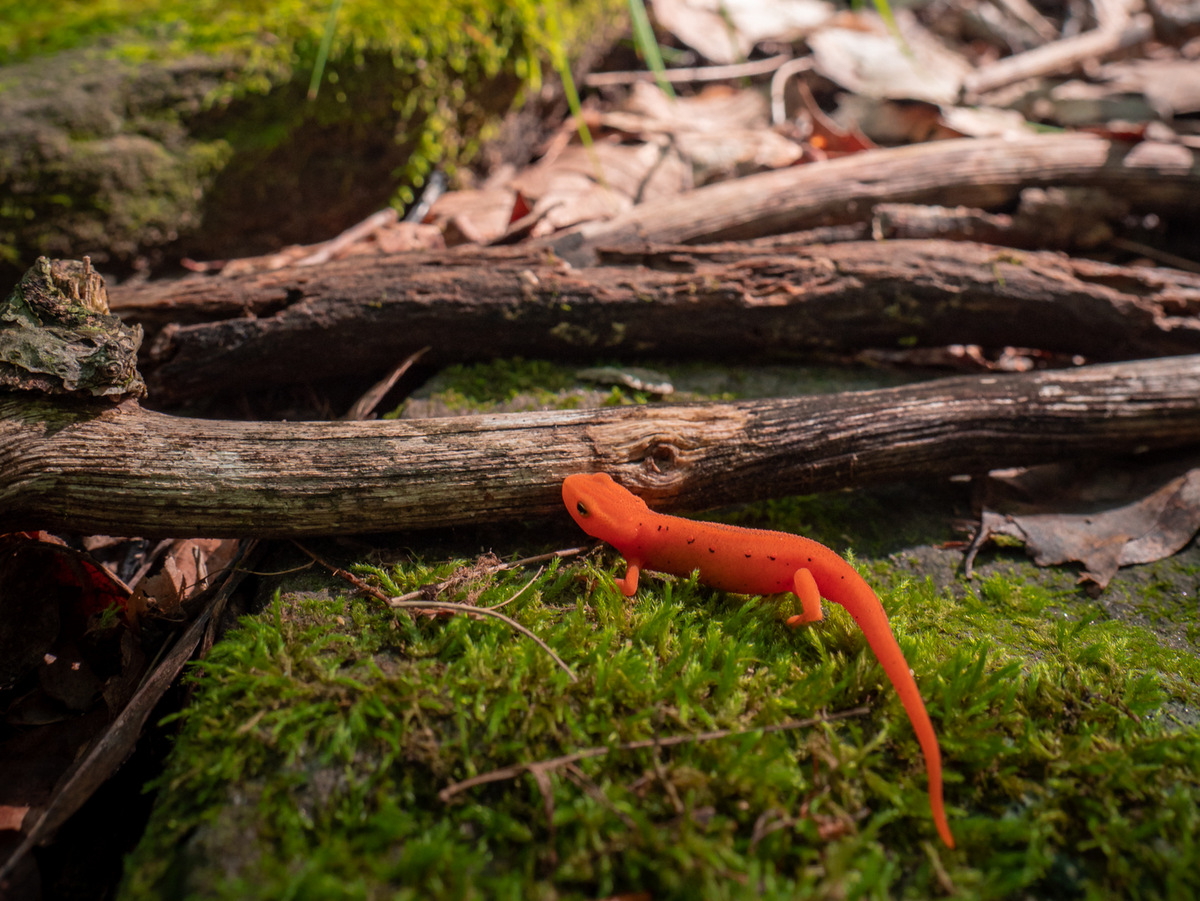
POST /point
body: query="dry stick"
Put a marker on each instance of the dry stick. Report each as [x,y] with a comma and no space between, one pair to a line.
[699,73]
[1154,253]
[123,470]
[1059,56]
[986,172]
[546,766]
[370,399]
[326,251]
[779,300]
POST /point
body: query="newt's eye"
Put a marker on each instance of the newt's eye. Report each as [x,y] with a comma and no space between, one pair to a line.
[582,508]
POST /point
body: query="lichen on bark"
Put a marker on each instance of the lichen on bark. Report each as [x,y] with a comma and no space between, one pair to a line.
[58,337]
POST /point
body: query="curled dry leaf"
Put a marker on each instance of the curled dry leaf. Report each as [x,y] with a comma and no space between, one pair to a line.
[864,58]
[725,31]
[187,568]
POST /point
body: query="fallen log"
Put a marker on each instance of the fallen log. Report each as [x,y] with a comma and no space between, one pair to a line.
[91,466]
[358,316]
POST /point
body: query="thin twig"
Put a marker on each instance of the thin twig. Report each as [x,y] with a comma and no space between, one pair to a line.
[698,73]
[327,250]
[483,611]
[434,587]
[409,601]
[370,400]
[520,591]
[542,766]
[581,779]
[340,573]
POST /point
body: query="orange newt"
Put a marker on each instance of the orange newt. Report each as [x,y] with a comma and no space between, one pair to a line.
[753,561]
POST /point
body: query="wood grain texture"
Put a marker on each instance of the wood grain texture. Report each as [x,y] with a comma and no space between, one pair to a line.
[94,467]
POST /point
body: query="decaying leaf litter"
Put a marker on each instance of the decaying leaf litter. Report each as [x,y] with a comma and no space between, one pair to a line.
[649,149]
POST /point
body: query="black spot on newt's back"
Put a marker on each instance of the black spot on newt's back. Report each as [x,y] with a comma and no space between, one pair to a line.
[712,550]
[691,541]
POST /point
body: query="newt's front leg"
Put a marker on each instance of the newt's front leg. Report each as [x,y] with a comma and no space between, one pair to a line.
[806,589]
[629,584]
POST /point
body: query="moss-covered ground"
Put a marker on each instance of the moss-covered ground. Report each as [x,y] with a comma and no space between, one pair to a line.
[323,728]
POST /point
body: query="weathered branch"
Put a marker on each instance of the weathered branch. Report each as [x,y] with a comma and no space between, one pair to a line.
[95,467]
[719,302]
[1162,178]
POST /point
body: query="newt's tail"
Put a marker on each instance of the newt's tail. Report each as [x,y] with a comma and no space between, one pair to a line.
[864,606]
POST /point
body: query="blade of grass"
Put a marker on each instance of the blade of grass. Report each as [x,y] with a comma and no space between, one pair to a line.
[314,84]
[647,44]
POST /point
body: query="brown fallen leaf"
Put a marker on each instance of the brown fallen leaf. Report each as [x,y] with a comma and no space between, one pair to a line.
[863,56]
[11,817]
[1104,516]
[585,184]
[726,32]
[477,216]
[720,133]
[186,569]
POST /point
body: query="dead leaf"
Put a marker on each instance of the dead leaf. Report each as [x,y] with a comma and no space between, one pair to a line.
[985,122]
[1103,516]
[827,136]
[868,60]
[11,817]
[725,31]
[721,132]
[48,589]
[1171,86]
[186,569]
[586,184]
[474,216]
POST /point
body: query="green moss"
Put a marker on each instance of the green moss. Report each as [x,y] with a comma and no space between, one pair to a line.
[194,116]
[273,36]
[514,383]
[502,380]
[322,730]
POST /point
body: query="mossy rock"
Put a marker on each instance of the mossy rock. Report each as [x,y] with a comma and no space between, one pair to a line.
[148,131]
[312,759]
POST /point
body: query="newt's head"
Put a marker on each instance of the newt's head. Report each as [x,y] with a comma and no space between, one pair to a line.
[603,508]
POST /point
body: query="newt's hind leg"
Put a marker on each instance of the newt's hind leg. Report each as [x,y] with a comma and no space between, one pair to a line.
[805,587]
